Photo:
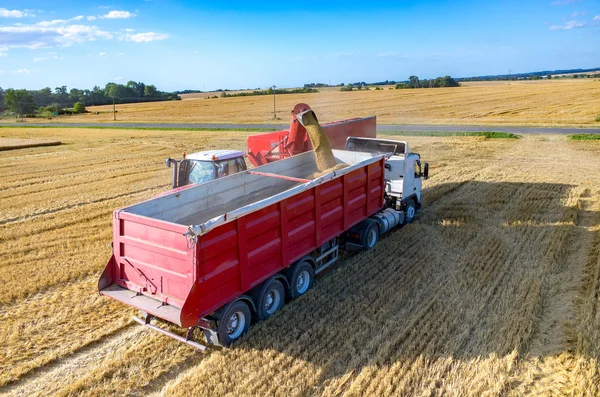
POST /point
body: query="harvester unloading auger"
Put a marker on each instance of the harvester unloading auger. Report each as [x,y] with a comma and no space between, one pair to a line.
[323,154]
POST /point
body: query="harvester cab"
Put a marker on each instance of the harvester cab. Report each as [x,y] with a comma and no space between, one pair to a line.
[206,166]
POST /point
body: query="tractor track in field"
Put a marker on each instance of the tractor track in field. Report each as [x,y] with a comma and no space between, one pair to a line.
[50,180]
[49,378]
[75,205]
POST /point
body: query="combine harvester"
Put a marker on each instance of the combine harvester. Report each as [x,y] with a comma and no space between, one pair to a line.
[220,254]
[209,165]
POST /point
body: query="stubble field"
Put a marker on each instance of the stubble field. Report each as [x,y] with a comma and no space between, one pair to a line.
[494,290]
[568,102]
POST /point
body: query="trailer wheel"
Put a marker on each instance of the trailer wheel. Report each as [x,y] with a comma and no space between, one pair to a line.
[272,298]
[409,211]
[234,323]
[301,279]
[369,234]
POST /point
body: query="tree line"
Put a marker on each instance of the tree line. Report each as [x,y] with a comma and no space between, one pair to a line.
[438,82]
[61,100]
[270,91]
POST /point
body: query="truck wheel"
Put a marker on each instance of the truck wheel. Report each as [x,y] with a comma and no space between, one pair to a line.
[369,234]
[301,279]
[271,299]
[409,211]
[234,323]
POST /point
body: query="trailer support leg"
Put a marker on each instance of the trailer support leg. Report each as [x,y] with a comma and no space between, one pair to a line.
[146,322]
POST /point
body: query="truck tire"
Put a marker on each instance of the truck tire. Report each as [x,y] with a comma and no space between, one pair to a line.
[369,235]
[234,323]
[301,279]
[410,211]
[272,298]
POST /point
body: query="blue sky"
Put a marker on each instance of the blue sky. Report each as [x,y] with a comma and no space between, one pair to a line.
[234,44]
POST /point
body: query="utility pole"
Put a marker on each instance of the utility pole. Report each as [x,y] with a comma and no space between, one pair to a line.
[114,110]
[274,110]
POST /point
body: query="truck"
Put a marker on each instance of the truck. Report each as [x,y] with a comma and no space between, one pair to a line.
[220,255]
[264,148]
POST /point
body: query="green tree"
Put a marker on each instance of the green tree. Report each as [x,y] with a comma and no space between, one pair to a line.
[19,101]
[136,88]
[150,91]
[414,81]
[61,95]
[76,95]
[114,90]
[78,107]
[549,76]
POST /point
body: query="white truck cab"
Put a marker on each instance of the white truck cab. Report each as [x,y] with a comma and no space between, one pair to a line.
[206,166]
[403,172]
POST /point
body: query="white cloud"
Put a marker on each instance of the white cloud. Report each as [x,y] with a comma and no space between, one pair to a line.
[118,78]
[102,54]
[118,15]
[78,18]
[144,37]
[21,71]
[91,18]
[569,25]
[121,53]
[51,23]
[12,13]
[581,14]
[39,59]
[3,54]
[597,18]
[37,36]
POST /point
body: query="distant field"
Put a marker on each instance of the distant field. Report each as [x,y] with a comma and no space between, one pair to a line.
[572,102]
[16,143]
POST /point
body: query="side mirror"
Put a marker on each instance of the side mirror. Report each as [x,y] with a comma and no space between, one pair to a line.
[388,166]
[426,171]
[168,162]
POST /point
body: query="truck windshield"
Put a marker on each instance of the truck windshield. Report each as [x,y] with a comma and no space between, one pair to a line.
[202,171]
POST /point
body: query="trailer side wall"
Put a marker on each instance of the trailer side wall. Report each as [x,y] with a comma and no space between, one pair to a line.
[238,255]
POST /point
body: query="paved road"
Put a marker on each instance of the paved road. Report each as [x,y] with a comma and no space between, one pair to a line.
[380,127]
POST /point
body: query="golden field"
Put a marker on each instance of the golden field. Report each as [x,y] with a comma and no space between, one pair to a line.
[568,102]
[493,290]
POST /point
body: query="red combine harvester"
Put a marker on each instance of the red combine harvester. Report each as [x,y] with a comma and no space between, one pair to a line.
[273,146]
[218,255]
[208,165]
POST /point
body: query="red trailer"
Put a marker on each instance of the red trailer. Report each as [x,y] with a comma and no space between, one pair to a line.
[218,254]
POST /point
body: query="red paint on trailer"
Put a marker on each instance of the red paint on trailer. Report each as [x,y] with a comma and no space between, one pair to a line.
[154,259]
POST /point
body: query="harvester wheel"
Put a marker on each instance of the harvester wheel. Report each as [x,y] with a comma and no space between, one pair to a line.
[272,298]
[234,323]
[410,211]
[369,234]
[301,279]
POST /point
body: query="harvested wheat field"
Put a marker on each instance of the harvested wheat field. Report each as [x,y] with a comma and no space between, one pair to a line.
[493,290]
[569,102]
